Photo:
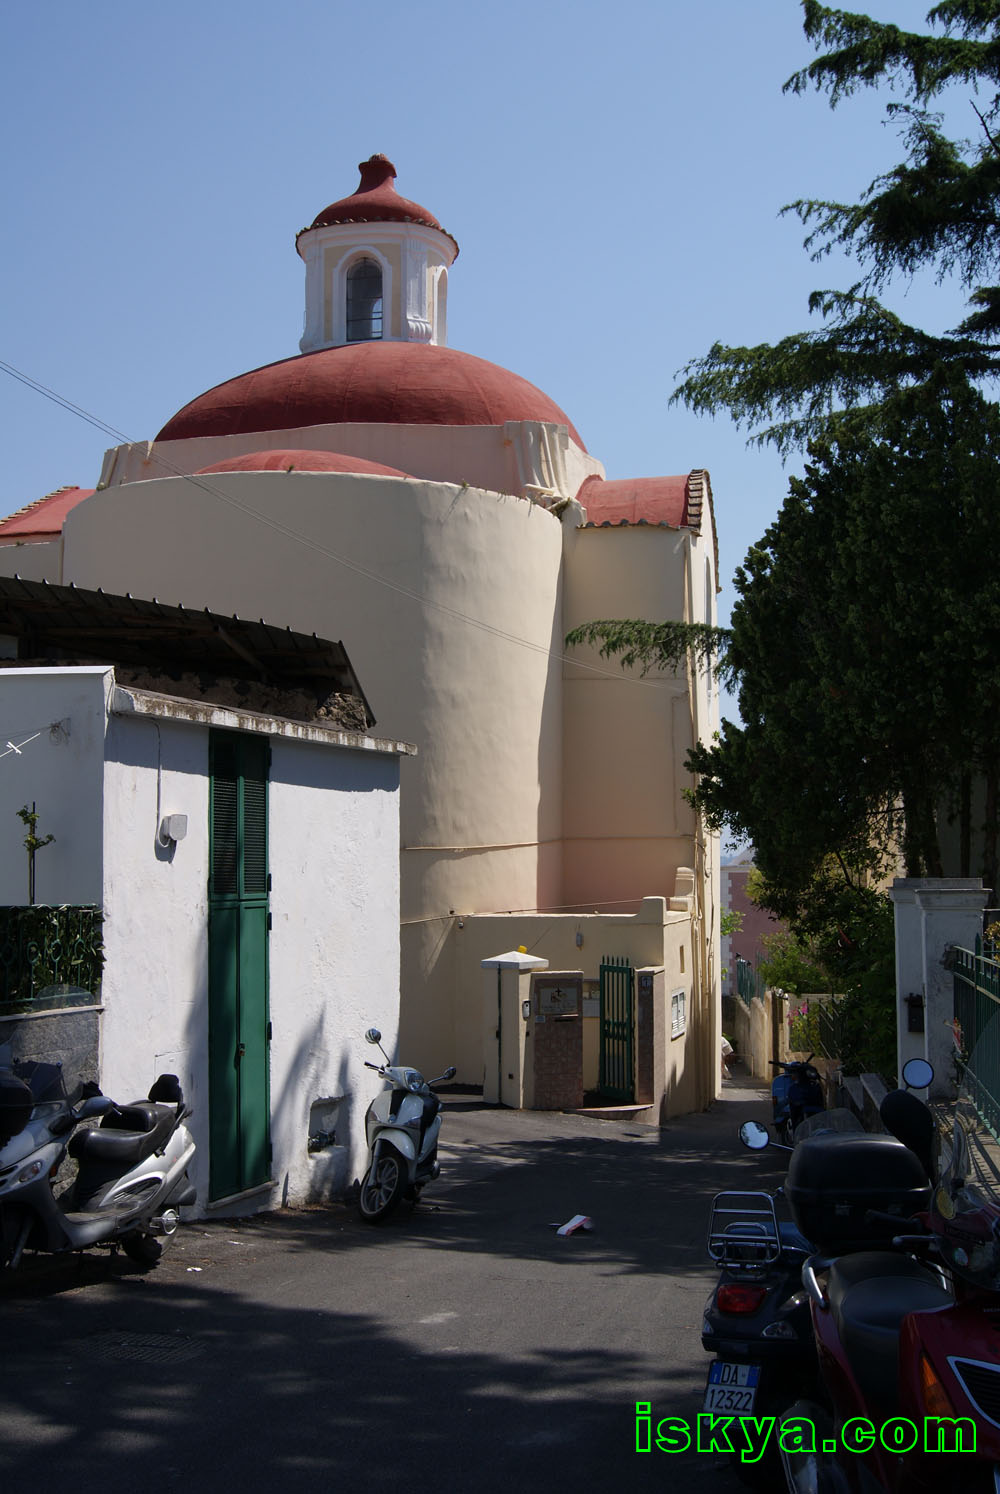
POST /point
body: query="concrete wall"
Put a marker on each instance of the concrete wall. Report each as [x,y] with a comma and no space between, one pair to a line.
[458,647]
[56,720]
[41,561]
[498,458]
[753,1033]
[333,953]
[102,783]
[626,825]
[451,603]
[656,937]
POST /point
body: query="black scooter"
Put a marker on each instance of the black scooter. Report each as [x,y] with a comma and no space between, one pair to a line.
[757,1321]
[796,1094]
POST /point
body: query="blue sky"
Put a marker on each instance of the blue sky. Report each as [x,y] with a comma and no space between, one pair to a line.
[613,174]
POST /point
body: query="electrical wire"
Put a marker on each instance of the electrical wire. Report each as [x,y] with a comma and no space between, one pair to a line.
[287,532]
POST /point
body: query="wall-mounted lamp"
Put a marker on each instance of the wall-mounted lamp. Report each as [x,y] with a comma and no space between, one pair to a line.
[579,939]
[914,1013]
[173,827]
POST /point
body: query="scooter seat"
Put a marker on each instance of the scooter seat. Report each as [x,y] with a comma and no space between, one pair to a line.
[870,1295]
[792,1238]
[127,1136]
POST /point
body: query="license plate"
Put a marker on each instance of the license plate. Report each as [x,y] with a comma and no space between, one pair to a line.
[731,1387]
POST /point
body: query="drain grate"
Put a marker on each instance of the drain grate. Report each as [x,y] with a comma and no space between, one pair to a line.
[149,1348]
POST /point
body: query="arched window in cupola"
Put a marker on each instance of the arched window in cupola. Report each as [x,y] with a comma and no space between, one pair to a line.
[364,302]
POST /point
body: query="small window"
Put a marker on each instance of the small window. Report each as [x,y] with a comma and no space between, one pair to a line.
[364,302]
[678,1013]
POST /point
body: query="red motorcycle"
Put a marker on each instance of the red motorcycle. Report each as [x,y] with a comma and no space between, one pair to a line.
[905,1299]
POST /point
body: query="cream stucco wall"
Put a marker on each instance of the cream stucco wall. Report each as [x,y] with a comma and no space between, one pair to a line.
[448,601]
[506,458]
[624,731]
[539,784]
[35,561]
[628,829]
[659,935]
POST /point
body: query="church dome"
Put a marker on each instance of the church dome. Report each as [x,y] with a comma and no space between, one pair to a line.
[382,383]
[376,201]
[297,460]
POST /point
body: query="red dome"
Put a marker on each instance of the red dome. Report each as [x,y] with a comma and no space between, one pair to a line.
[300,461]
[386,383]
[376,201]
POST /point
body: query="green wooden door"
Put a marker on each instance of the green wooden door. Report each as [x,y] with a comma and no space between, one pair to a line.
[617,1055]
[238,923]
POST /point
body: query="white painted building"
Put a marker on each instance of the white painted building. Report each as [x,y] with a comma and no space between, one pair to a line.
[444,517]
[110,768]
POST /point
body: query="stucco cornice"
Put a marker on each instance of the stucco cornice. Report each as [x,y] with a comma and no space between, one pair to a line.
[132,702]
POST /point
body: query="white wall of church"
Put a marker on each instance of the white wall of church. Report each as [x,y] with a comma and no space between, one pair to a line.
[448,602]
[36,561]
[498,458]
[626,823]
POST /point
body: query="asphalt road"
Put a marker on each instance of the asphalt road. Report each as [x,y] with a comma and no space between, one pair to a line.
[463,1344]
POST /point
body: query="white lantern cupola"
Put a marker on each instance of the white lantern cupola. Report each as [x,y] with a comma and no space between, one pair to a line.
[376,267]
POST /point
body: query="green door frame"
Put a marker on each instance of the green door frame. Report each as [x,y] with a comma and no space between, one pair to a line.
[239,1028]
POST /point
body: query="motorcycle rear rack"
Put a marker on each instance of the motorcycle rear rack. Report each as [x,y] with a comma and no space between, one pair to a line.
[743,1230]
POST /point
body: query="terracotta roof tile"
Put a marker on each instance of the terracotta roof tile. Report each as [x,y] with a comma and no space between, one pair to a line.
[43,519]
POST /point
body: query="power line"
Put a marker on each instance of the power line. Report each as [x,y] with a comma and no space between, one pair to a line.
[297,538]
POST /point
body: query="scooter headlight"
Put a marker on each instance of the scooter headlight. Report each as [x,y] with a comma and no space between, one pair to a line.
[414,1082]
[31,1171]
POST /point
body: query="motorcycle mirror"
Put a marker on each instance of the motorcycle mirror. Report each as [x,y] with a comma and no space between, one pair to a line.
[373,1035]
[450,1073]
[754,1135]
[917,1073]
[95,1105]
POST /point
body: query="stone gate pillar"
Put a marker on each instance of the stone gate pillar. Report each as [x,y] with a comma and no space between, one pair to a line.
[932,915]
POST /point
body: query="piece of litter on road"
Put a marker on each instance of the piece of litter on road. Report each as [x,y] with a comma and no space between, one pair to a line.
[578,1221]
[194,1268]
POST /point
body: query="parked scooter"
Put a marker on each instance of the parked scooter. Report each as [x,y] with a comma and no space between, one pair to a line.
[757,1321]
[402,1125]
[796,1093]
[904,1322]
[131,1177]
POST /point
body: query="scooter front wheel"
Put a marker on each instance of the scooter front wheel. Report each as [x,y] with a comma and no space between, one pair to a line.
[382,1186]
[144,1249]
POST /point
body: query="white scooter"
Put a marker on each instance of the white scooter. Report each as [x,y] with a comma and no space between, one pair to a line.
[131,1170]
[402,1124]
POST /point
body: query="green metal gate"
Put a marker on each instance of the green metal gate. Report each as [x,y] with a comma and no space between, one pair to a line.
[977,1029]
[239,1030]
[617,1071]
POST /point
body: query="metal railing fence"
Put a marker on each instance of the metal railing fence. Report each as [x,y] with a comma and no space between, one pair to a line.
[49,956]
[977,1029]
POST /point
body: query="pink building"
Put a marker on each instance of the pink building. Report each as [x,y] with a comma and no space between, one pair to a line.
[757,924]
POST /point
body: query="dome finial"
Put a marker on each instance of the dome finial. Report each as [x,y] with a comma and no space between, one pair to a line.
[376,172]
